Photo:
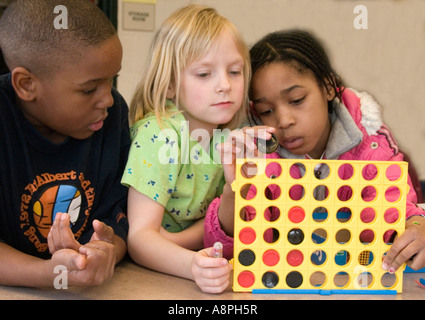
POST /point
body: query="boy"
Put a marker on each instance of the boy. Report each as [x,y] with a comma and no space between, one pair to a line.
[64,141]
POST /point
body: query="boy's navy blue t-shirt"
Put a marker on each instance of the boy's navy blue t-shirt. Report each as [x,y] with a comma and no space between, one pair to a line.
[39,178]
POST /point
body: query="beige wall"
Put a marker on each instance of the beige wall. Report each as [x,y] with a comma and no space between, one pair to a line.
[387,59]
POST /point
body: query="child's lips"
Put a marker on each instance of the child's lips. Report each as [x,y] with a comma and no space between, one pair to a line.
[292,143]
[223,104]
[97,125]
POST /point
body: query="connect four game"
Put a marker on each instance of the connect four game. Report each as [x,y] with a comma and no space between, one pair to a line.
[317,226]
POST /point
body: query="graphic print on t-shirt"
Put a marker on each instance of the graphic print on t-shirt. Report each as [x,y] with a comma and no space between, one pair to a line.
[61,198]
[49,194]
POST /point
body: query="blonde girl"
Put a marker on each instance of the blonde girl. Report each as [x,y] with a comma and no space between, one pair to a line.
[194,91]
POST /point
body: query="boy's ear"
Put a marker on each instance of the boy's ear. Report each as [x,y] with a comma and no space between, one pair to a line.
[23,81]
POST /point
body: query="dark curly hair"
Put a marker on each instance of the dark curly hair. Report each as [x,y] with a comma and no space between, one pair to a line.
[301,50]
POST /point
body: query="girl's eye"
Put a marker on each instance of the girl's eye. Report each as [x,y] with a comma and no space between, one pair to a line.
[236,72]
[298,101]
[266,113]
[203,75]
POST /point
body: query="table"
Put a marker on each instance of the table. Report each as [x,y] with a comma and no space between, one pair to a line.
[133,282]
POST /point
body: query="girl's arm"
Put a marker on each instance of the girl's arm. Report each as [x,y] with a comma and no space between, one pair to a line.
[148,247]
[145,243]
[191,238]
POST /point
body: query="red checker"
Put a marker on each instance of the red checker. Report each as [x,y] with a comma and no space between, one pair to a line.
[296,214]
[247,235]
[271,258]
[246,279]
[295,258]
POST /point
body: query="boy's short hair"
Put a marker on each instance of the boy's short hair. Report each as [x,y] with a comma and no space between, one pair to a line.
[29,37]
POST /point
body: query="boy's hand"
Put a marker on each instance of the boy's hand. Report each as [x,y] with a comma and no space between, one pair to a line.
[409,247]
[102,232]
[210,274]
[60,235]
[93,265]
[89,264]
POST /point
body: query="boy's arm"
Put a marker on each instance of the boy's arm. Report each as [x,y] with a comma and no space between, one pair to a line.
[20,269]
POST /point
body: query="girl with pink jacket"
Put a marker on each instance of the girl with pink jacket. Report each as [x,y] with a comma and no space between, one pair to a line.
[297,96]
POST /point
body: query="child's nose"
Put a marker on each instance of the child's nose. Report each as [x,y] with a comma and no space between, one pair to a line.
[107,100]
[285,118]
[224,83]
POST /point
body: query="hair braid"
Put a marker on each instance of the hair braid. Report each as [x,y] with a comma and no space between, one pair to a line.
[299,48]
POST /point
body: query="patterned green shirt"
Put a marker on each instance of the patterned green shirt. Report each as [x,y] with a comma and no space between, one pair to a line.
[173,169]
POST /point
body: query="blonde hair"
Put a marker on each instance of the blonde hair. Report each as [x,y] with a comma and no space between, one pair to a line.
[184,37]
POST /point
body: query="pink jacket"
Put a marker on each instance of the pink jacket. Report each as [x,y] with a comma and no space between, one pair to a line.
[377,144]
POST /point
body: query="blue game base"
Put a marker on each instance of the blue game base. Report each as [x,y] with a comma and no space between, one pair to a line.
[410,270]
[322,292]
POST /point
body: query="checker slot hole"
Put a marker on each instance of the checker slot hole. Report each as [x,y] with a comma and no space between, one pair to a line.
[248,191]
[342,279]
[321,171]
[389,280]
[343,236]
[271,213]
[273,170]
[369,172]
[247,213]
[272,192]
[366,258]
[345,193]
[342,257]
[345,171]
[392,194]
[318,279]
[368,215]
[391,215]
[318,257]
[249,170]
[321,192]
[320,214]
[369,194]
[393,172]
[367,236]
[271,235]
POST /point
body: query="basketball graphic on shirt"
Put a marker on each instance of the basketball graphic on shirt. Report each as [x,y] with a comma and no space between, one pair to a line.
[59,198]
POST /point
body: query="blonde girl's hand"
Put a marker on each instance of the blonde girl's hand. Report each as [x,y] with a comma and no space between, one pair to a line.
[212,275]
